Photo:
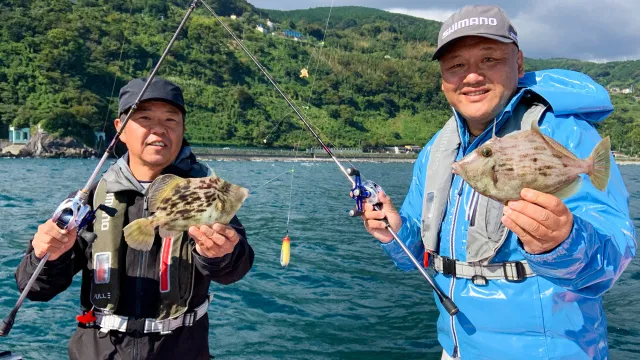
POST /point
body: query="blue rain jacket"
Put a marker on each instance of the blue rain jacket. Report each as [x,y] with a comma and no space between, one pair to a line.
[557,314]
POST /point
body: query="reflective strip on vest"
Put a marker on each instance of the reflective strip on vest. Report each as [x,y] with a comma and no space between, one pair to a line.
[165,258]
[110,322]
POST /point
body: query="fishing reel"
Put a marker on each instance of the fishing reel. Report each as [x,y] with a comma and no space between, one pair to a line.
[74,213]
[362,191]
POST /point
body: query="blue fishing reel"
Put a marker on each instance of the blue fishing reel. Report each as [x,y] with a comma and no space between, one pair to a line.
[362,191]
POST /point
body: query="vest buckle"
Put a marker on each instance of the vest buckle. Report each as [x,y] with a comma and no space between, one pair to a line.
[479,280]
[136,325]
[448,266]
[514,271]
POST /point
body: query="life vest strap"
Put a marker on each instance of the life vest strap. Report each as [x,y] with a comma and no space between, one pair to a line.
[108,322]
[513,271]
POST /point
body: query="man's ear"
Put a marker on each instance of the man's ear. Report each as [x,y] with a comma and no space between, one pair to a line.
[520,61]
[117,123]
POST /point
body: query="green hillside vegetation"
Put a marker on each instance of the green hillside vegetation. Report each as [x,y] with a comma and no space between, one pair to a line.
[370,84]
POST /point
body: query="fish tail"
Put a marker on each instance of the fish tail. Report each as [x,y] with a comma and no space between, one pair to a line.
[140,234]
[600,160]
[285,252]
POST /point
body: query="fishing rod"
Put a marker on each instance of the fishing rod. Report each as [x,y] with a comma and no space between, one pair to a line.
[361,191]
[74,213]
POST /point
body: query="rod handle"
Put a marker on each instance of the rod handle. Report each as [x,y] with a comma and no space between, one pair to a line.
[449,305]
[7,324]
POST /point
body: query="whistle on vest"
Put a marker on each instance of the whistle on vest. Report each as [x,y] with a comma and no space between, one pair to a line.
[86,318]
[362,191]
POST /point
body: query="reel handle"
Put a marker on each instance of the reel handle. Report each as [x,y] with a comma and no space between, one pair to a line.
[355,212]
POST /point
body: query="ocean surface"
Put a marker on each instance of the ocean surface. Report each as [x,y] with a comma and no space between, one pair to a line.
[340,298]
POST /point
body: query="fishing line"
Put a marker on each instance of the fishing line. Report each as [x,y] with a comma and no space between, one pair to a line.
[291,190]
[115,76]
[268,182]
[276,126]
[280,91]
[321,47]
[361,192]
[318,49]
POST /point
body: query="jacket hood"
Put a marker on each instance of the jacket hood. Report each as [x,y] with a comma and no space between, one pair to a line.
[119,176]
[570,93]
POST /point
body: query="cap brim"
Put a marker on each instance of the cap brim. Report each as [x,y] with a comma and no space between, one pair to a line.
[444,47]
[172,103]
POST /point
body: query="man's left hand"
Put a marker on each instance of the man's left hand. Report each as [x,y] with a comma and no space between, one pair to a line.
[541,221]
[214,241]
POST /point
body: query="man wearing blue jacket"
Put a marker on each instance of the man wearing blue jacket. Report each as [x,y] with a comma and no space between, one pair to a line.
[527,277]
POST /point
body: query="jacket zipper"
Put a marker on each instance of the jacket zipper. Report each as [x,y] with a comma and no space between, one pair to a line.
[141,263]
[453,256]
[143,255]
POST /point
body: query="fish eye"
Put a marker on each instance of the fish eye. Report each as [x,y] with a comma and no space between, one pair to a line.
[486,152]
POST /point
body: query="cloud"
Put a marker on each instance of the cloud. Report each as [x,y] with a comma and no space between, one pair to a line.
[577,29]
[431,14]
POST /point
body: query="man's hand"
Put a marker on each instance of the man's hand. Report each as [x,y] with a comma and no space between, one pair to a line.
[541,221]
[53,240]
[372,219]
[215,241]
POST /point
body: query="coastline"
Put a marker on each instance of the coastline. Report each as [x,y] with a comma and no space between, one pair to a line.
[300,159]
[210,154]
[291,156]
[633,161]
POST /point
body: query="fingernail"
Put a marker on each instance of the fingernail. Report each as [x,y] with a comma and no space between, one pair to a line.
[526,193]
[507,209]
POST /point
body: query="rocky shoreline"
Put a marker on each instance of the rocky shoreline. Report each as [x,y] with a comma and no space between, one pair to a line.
[43,145]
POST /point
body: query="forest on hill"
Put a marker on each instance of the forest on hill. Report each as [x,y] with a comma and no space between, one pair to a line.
[370,81]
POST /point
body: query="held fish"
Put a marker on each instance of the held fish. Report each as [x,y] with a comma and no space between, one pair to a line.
[502,167]
[177,204]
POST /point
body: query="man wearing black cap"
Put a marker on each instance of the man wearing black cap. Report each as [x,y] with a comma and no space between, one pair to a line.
[140,304]
[527,277]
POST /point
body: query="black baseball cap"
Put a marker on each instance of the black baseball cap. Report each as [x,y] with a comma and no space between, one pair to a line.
[158,90]
[478,20]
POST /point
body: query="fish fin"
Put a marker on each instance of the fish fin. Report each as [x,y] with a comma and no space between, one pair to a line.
[601,160]
[535,128]
[553,143]
[569,190]
[140,234]
[164,233]
[161,188]
[557,146]
[285,251]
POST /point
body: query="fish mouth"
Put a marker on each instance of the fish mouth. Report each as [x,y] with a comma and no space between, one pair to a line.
[456,168]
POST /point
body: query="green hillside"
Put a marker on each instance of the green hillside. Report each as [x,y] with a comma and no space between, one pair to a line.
[371,83]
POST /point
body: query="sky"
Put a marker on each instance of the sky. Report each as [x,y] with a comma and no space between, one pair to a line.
[592,30]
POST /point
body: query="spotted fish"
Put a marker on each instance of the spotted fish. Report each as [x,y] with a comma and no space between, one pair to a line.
[176,204]
[503,166]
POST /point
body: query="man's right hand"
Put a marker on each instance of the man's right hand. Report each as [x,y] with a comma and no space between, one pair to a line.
[373,219]
[51,239]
